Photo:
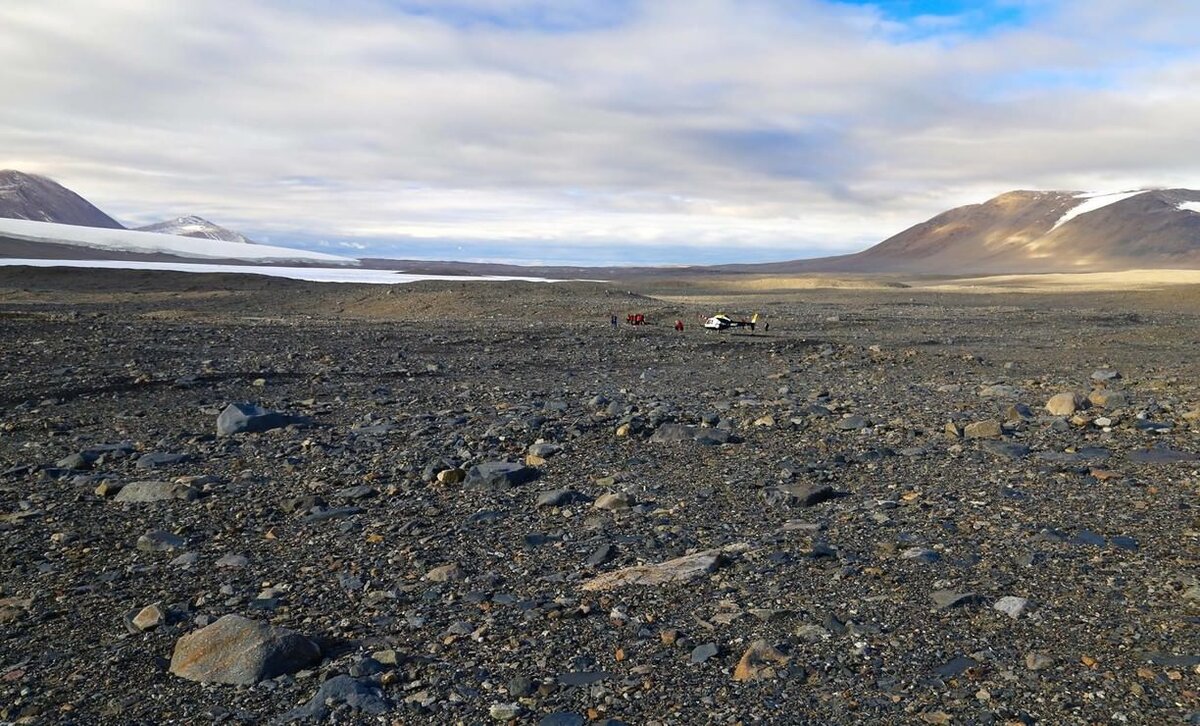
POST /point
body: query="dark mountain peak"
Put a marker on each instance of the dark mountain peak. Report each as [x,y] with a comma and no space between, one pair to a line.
[38,198]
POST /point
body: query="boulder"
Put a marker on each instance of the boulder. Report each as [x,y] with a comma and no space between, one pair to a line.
[989,429]
[239,651]
[761,661]
[679,570]
[248,418]
[614,502]
[499,475]
[1065,404]
[156,491]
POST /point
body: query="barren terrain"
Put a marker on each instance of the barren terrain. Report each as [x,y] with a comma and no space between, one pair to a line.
[867,512]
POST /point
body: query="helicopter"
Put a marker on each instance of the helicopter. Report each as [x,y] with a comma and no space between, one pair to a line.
[721,321]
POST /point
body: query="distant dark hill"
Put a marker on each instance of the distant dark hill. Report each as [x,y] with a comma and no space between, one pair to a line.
[32,197]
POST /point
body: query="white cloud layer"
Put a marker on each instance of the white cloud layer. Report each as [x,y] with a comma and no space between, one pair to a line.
[777,128]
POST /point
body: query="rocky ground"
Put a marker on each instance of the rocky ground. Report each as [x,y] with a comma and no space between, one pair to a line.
[474,504]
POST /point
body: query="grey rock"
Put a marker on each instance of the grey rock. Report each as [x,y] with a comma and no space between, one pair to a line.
[543,450]
[160,541]
[361,491]
[239,651]
[248,418]
[156,491]
[1005,449]
[947,599]
[499,476]
[920,554]
[853,423]
[703,652]
[360,695]
[156,459]
[612,502]
[561,498]
[1012,606]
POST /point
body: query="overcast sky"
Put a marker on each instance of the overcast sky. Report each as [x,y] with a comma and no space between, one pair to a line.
[668,131]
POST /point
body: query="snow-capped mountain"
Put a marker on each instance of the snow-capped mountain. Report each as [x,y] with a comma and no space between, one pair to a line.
[198,227]
[28,196]
[23,238]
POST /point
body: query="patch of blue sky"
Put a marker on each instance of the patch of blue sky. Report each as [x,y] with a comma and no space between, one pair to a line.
[545,16]
[929,19]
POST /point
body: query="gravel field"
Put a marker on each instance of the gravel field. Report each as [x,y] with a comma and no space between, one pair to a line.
[235,500]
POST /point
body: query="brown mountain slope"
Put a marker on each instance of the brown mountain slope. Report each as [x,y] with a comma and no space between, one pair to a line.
[28,196]
[1026,231]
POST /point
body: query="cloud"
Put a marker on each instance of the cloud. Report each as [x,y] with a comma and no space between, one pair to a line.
[746,128]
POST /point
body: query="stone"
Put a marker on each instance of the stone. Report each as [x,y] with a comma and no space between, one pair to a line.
[1065,404]
[560,498]
[1018,412]
[543,450]
[505,711]
[238,651]
[239,418]
[602,554]
[160,541]
[1012,606]
[613,502]
[853,423]
[1108,399]
[761,661]
[75,462]
[989,429]
[233,562]
[677,571]
[673,433]
[1038,661]
[451,476]
[920,554]
[156,491]
[947,599]
[703,652]
[1105,374]
[499,475]
[445,573]
[953,431]
[156,459]
[999,390]
[149,617]
[799,495]
[359,695]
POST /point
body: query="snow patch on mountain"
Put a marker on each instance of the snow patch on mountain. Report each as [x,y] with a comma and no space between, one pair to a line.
[1190,207]
[1092,202]
[123,240]
[198,227]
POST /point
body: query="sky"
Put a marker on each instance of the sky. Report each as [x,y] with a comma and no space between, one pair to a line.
[593,131]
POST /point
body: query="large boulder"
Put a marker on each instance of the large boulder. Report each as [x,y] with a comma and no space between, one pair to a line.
[1065,404]
[248,418]
[361,696]
[678,570]
[156,491]
[239,651]
[499,475]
